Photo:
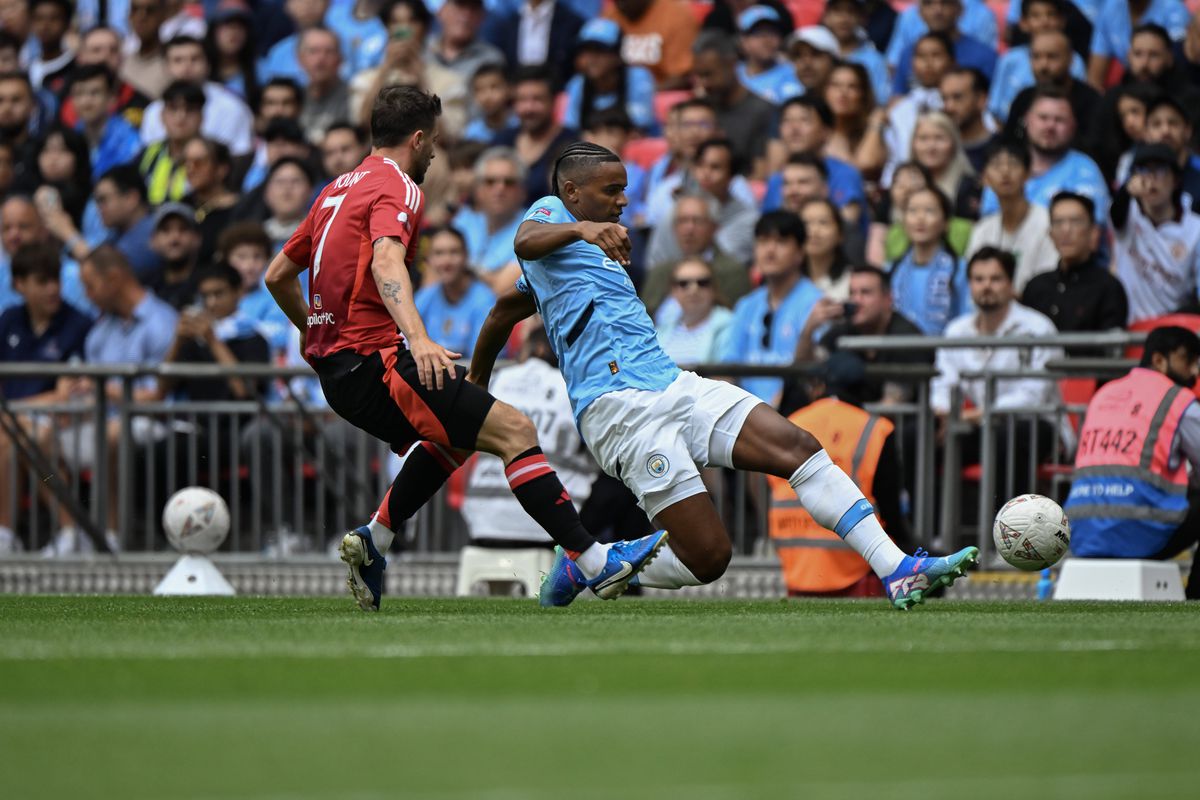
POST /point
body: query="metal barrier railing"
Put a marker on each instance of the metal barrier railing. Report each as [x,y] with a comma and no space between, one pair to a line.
[284,465]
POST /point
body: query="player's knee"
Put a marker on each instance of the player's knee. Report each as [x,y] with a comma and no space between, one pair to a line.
[514,431]
[801,445]
[713,562]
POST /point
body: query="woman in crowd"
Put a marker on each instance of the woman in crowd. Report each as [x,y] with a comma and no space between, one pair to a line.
[825,261]
[937,146]
[858,122]
[64,165]
[289,188]
[697,335]
[929,282]
[887,239]
[208,164]
[231,48]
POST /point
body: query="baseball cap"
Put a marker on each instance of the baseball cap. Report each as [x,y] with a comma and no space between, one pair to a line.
[182,210]
[228,10]
[1148,154]
[817,37]
[602,32]
[755,15]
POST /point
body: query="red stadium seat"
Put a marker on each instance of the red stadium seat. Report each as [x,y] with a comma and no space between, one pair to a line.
[560,107]
[665,100]
[644,152]
[701,9]
[805,12]
[1076,391]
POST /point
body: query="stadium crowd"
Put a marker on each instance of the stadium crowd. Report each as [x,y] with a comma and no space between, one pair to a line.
[797,172]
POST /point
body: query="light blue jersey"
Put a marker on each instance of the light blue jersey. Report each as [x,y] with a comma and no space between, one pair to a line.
[1114,28]
[977,20]
[362,41]
[455,326]
[638,102]
[931,294]
[777,84]
[1075,173]
[597,325]
[486,251]
[877,68]
[756,323]
[1014,72]
[1087,7]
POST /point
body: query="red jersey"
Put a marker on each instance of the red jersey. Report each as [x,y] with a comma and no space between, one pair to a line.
[336,241]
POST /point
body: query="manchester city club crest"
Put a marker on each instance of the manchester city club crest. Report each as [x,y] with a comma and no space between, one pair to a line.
[657,465]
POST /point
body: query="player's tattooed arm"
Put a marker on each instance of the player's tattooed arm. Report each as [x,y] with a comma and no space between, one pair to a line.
[392,291]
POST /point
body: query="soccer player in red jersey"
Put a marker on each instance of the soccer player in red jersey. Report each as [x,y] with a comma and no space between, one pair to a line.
[359,240]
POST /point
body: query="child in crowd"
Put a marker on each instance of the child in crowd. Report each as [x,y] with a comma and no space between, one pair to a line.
[929,282]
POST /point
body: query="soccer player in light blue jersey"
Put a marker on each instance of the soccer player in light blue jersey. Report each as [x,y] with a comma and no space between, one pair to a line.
[651,424]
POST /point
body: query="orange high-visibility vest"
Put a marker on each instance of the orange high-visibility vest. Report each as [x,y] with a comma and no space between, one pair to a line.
[815,559]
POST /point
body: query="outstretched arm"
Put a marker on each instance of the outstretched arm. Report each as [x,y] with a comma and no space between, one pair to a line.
[510,308]
[535,240]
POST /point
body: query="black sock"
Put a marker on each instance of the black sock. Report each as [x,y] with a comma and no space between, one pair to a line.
[424,472]
[539,491]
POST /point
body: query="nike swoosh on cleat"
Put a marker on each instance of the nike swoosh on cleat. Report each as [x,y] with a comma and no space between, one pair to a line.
[626,569]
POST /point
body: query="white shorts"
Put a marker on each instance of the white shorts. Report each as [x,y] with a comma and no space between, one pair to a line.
[656,442]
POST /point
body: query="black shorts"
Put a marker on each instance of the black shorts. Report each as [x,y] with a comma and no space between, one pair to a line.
[382,394]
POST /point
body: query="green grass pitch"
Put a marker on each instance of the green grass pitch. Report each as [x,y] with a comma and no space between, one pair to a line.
[135,697]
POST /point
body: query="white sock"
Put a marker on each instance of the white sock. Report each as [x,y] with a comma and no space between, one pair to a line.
[666,571]
[591,561]
[834,500]
[381,535]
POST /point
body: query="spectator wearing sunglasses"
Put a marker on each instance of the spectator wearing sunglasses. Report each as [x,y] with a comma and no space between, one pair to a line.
[698,334]
[491,222]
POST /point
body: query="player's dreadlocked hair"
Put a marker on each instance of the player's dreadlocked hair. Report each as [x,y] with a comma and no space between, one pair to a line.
[576,156]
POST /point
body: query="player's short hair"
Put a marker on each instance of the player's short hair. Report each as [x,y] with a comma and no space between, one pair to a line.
[1166,340]
[125,178]
[190,94]
[359,132]
[87,72]
[36,259]
[716,41]
[400,111]
[499,153]
[243,233]
[1007,145]
[979,82]
[988,253]
[449,229]
[490,68]
[220,272]
[108,260]
[809,160]
[1157,31]
[937,36]
[813,103]
[577,159]
[885,280]
[1057,5]
[784,224]
[1089,205]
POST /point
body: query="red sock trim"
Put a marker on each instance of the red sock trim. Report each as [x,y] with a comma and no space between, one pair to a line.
[382,515]
[573,554]
[524,470]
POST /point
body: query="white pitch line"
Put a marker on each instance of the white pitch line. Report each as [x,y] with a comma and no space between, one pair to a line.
[32,650]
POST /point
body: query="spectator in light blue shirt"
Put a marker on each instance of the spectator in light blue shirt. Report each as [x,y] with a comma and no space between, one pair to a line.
[761,69]
[111,140]
[1114,26]
[246,247]
[603,80]
[1049,129]
[1014,70]
[360,31]
[491,95]
[283,59]
[929,282]
[768,321]
[940,17]
[973,18]
[847,20]
[491,223]
[455,306]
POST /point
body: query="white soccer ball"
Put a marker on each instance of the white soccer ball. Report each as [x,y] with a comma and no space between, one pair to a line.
[196,520]
[1031,532]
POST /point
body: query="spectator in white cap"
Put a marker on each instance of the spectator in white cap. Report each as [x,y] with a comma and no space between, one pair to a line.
[815,52]
[761,70]
[604,82]
[846,20]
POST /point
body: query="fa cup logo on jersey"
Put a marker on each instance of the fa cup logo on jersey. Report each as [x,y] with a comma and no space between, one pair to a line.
[657,465]
[317,301]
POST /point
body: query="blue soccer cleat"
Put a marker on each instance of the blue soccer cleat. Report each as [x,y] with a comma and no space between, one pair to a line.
[366,565]
[918,575]
[565,580]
